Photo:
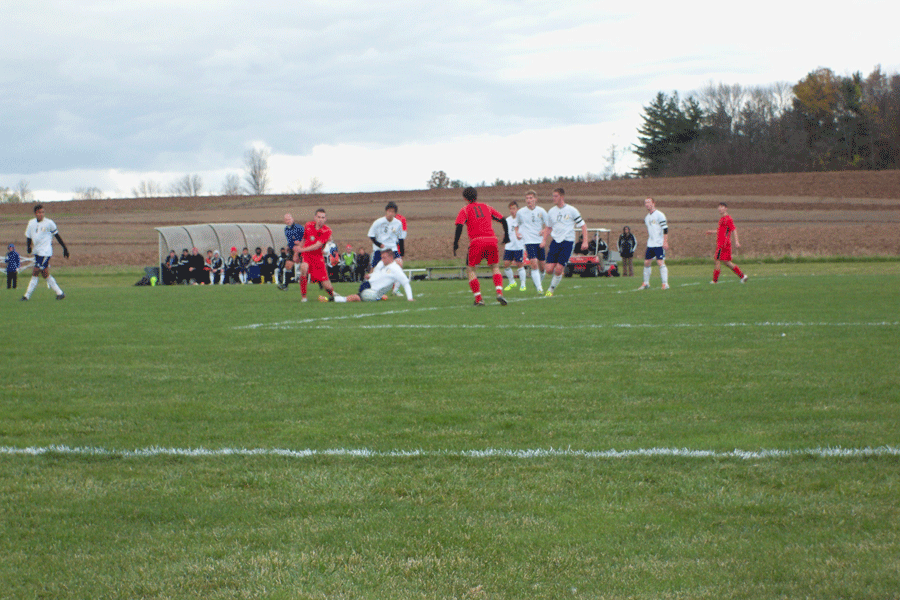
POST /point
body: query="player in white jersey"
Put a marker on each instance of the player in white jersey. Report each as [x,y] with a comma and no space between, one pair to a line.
[531,222]
[657,244]
[40,232]
[512,252]
[378,283]
[386,234]
[564,218]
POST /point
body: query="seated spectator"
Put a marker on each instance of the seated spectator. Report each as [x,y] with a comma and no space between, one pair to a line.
[244,262]
[268,266]
[207,267]
[233,267]
[254,272]
[183,261]
[348,263]
[216,269]
[169,269]
[195,267]
[362,264]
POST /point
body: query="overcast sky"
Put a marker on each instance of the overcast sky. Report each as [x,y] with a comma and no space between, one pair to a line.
[372,96]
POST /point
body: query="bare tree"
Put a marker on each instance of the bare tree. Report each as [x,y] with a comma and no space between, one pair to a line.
[23,192]
[256,162]
[439,180]
[147,189]
[232,185]
[189,185]
[315,186]
[88,193]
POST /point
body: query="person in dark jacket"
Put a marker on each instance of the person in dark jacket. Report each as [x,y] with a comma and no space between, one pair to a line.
[362,264]
[196,267]
[627,246]
[268,265]
[169,269]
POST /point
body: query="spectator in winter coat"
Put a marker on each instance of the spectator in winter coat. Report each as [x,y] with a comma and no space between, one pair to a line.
[627,246]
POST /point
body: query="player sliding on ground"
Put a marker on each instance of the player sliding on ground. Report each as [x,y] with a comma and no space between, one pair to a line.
[477,217]
[724,233]
[378,283]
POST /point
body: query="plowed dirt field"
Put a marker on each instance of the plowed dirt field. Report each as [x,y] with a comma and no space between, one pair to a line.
[806,214]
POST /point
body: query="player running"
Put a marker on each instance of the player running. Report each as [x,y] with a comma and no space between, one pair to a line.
[477,217]
[531,222]
[512,252]
[40,232]
[724,233]
[316,234]
[564,218]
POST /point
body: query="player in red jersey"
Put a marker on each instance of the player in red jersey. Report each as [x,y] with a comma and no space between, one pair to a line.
[724,234]
[477,217]
[315,235]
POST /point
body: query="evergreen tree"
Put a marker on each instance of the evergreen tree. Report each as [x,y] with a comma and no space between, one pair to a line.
[669,127]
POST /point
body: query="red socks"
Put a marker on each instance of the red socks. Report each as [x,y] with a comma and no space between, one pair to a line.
[476,288]
[498,283]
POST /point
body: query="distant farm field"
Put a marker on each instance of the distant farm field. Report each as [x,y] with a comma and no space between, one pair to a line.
[727,441]
[799,215]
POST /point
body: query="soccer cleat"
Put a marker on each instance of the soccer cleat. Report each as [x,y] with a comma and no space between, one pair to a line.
[282,287]
[303,299]
[549,294]
[24,299]
[321,299]
[665,286]
[644,286]
[502,300]
[511,286]
[522,288]
[712,281]
[384,297]
[479,303]
[744,279]
[60,296]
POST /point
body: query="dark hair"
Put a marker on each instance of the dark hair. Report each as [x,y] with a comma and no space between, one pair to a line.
[560,191]
[723,204]
[38,207]
[470,194]
[513,203]
[321,210]
[391,205]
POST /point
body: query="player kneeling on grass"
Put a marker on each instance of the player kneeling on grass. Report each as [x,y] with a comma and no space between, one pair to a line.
[378,283]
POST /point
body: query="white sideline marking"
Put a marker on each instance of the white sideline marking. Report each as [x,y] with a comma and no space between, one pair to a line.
[318,324]
[836,452]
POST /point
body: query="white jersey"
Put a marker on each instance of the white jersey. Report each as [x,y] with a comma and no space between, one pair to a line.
[387,233]
[515,244]
[563,222]
[531,223]
[383,278]
[41,235]
[656,226]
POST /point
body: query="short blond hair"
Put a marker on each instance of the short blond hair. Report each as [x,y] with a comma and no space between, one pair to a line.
[531,193]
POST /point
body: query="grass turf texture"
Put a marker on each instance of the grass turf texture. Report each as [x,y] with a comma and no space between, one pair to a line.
[803,356]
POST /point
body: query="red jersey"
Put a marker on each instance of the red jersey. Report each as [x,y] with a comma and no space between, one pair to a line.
[723,235]
[477,216]
[402,220]
[311,235]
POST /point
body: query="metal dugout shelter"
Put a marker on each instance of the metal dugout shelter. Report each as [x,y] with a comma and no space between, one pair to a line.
[219,236]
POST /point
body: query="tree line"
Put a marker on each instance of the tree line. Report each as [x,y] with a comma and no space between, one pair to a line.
[824,122]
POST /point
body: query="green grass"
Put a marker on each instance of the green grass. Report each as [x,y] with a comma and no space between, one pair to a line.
[802,357]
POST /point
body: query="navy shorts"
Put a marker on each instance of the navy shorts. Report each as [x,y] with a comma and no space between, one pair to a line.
[559,252]
[41,262]
[659,253]
[534,251]
[512,255]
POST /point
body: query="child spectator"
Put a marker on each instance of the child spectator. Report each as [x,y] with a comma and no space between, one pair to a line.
[233,266]
[244,262]
[12,267]
[216,269]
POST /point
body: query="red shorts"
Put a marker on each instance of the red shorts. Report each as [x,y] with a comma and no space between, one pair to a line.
[723,253]
[483,249]
[317,270]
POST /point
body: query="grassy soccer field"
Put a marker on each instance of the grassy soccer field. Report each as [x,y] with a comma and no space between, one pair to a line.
[727,441]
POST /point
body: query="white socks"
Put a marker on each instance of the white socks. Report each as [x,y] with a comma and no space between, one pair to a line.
[522,277]
[555,281]
[51,283]
[664,273]
[536,278]
[647,271]
[31,285]
[509,275]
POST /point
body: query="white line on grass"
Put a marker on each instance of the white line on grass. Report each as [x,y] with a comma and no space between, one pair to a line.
[155,451]
[322,324]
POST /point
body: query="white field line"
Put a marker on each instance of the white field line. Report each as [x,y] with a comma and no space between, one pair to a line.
[323,323]
[832,452]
